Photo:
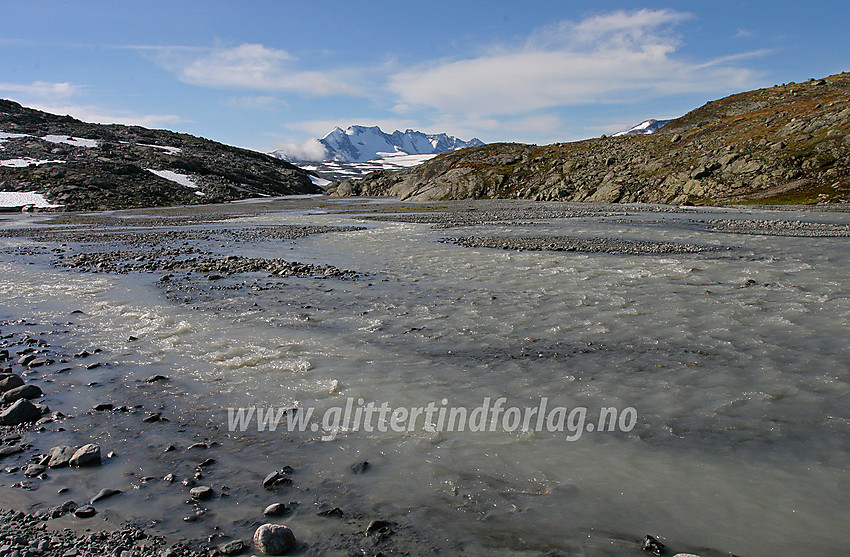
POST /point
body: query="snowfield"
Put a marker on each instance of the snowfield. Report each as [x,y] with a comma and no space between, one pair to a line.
[75,141]
[182,179]
[23,198]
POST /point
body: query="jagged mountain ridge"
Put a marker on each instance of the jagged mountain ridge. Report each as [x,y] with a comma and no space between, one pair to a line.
[364,143]
[115,166]
[784,144]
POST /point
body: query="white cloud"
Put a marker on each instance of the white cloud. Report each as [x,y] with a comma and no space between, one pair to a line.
[309,150]
[99,115]
[615,57]
[42,89]
[253,67]
[62,98]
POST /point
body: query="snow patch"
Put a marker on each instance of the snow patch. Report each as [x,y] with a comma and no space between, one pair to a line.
[24,198]
[321,182]
[182,179]
[5,135]
[75,141]
[169,150]
[20,163]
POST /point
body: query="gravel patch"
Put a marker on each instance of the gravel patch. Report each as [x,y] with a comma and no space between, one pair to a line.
[794,228]
[585,245]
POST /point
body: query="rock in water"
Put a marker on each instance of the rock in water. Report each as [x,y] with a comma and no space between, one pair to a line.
[86,511]
[60,456]
[201,493]
[360,467]
[276,509]
[653,545]
[9,382]
[20,412]
[33,470]
[24,391]
[104,493]
[87,455]
[232,547]
[276,479]
[274,539]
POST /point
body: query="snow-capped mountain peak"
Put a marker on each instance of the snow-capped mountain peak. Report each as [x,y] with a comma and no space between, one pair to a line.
[647,126]
[364,143]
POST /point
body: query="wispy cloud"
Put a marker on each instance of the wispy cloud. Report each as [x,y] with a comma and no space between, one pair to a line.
[101,115]
[252,67]
[615,57]
[42,89]
[256,102]
[65,98]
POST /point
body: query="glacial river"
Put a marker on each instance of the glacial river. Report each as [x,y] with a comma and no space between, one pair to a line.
[727,373]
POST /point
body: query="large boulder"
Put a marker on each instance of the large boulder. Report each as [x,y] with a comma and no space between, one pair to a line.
[20,412]
[274,539]
[24,391]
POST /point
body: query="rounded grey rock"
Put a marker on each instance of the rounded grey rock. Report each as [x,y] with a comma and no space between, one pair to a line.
[274,539]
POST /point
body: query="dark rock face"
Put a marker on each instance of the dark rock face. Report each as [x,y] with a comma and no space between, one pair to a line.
[113,171]
[784,144]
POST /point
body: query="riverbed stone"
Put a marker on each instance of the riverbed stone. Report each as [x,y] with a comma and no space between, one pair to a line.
[104,494]
[202,493]
[87,455]
[274,539]
[276,479]
[276,509]
[9,382]
[20,412]
[60,456]
[28,392]
[86,511]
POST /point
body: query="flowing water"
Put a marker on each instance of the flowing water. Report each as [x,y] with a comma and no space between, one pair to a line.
[735,361]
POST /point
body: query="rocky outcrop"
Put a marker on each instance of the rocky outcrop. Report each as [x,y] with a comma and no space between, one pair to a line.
[84,166]
[786,144]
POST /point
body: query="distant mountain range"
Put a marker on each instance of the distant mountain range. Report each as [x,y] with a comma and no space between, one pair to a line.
[363,143]
[645,127]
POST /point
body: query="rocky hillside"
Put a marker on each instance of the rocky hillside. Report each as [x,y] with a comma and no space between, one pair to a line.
[85,166]
[786,144]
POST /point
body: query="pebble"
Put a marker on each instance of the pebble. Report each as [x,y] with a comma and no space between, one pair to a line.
[276,509]
[201,493]
[276,479]
[360,467]
[86,511]
[232,547]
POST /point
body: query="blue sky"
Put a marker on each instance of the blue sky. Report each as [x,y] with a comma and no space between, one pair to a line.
[274,74]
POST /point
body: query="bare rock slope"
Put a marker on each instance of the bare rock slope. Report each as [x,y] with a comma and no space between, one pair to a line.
[785,144]
[84,166]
